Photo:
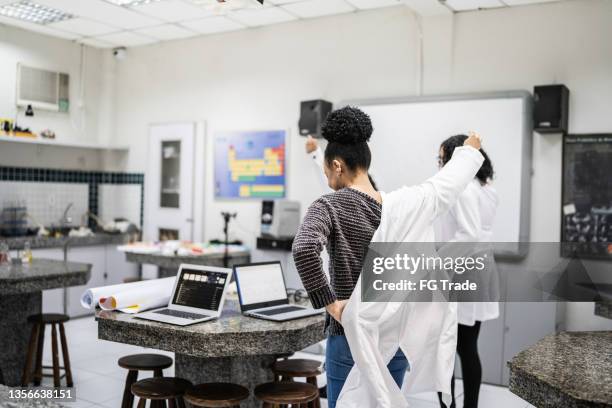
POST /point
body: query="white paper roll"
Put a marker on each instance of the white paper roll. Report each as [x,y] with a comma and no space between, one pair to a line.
[139,296]
[91,297]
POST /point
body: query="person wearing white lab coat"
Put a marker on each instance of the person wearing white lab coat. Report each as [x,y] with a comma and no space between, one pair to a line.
[345,221]
[471,219]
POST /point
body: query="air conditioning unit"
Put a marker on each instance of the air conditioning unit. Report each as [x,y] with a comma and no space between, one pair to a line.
[42,89]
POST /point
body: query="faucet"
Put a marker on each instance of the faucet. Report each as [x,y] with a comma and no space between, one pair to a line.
[66,220]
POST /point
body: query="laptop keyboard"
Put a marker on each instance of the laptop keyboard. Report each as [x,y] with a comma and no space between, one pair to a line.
[280,310]
[178,313]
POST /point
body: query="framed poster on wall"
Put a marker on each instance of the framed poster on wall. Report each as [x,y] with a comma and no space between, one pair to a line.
[250,164]
[586,217]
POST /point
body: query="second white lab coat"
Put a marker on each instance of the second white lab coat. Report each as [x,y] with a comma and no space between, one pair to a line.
[471,220]
[426,332]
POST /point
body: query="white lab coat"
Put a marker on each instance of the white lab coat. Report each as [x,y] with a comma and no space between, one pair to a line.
[426,332]
[471,220]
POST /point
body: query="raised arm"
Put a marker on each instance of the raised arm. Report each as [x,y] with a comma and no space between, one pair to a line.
[307,247]
[445,187]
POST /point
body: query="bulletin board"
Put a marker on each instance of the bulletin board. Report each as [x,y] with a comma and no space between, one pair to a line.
[586,218]
[250,164]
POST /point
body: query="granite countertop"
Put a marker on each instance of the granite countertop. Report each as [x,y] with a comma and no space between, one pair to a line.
[6,402]
[567,369]
[173,261]
[37,242]
[231,335]
[42,274]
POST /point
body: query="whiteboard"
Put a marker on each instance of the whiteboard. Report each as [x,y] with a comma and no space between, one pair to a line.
[408,133]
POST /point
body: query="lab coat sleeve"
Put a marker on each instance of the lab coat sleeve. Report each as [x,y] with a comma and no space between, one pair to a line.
[307,247]
[443,189]
[317,158]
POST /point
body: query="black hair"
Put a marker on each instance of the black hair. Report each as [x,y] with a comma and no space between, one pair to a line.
[347,131]
[448,147]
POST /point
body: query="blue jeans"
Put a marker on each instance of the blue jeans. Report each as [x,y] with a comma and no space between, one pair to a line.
[339,361]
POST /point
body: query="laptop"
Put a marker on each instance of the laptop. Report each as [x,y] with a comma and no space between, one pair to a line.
[197,296]
[262,293]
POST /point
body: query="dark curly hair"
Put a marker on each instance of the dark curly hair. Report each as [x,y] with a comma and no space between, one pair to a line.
[448,147]
[347,131]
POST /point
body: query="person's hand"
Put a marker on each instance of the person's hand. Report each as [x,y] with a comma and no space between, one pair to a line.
[311,144]
[473,140]
[335,309]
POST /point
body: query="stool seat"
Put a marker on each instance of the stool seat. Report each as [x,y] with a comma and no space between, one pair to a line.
[145,362]
[286,393]
[160,388]
[48,318]
[213,395]
[298,367]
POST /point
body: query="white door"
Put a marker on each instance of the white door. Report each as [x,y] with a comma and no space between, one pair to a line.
[169,185]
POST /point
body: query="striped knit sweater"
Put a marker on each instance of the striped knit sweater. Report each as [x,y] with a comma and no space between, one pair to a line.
[345,222]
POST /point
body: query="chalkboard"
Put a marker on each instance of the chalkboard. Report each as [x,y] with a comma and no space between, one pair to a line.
[586,218]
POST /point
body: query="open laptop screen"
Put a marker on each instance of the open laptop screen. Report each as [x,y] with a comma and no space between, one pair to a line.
[201,289]
[260,285]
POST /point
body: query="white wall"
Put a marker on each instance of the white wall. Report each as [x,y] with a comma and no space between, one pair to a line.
[90,116]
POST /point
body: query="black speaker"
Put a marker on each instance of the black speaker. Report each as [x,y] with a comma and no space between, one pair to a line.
[312,115]
[551,108]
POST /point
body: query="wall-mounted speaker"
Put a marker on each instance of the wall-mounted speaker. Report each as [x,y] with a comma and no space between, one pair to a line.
[312,115]
[551,109]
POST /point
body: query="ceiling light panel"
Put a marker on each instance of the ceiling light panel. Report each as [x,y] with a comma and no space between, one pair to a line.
[33,12]
[318,8]
[122,17]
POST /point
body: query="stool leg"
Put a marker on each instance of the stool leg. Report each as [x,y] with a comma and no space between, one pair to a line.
[142,403]
[39,354]
[55,356]
[180,402]
[128,397]
[317,402]
[171,403]
[27,370]
[67,368]
[158,373]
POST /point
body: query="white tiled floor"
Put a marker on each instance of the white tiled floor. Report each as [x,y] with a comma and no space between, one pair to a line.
[99,380]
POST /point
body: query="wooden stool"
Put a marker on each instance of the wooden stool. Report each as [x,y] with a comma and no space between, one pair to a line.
[214,395]
[141,362]
[296,394]
[36,346]
[286,370]
[160,390]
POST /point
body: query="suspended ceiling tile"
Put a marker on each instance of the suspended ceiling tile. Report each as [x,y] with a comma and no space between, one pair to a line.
[260,17]
[127,39]
[84,27]
[212,25]
[166,32]
[102,11]
[173,10]
[525,2]
[318,8]
[427,8]
[371,4]
[38,28]
[466,5]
